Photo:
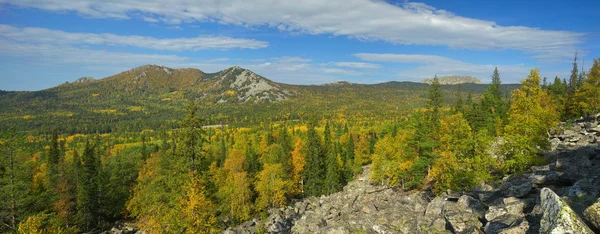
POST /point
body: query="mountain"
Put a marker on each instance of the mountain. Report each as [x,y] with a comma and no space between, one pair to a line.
[446,80]
[246,85]
[157,96]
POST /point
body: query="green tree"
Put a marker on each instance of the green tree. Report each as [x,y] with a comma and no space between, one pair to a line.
[87,189]
[493,107]
[434,103]
[314,172]
[459,106]
[569,108]
[192,137]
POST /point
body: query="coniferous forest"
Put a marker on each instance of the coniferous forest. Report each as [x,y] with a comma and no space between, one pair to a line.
[79,157]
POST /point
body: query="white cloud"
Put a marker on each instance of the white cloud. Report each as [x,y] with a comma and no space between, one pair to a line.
[408,23]
[54,54]
[357,65]
[429,65]
[58,37]
[342,72]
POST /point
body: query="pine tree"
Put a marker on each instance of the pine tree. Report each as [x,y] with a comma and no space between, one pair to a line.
[332,182]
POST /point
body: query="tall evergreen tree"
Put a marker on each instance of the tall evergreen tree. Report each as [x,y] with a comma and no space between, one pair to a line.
[493,107]
[434,103]
[459,107]
[191,138]
[569,108]
[87,190]
[333,182]
[314,172]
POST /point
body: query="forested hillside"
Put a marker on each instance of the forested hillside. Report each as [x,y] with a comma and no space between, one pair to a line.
[182,151]
[155,97]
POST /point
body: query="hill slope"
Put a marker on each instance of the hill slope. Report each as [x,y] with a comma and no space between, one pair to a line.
[155,97]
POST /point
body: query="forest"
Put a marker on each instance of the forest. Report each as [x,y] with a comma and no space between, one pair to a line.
[198,167]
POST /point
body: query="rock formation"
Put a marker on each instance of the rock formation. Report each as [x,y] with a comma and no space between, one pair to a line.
[449,80]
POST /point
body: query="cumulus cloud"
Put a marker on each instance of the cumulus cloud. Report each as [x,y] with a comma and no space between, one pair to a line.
[58,37]
[429,65]
[408,23]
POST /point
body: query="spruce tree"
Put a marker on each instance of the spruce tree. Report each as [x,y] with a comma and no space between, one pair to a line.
[314,173]
[87,190]
[191,137]
[493,107]
[333,182]
[569,108]
[434,104]
[459,106]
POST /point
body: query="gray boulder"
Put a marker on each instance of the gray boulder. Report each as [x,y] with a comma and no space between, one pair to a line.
[516,186]
[558,217]
[592,214]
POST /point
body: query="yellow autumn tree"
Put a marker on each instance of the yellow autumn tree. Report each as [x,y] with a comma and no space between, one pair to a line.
[390,160]
[531,114]
[233,185]
[271,187]
[298,162]
[588,96]
[197,211]
[456,135]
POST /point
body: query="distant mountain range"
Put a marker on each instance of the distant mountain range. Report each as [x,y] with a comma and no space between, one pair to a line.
[452,80]
[158,96]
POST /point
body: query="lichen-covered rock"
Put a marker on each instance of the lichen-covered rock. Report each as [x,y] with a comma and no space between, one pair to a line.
[516,186]
[558,217]
[510,205]
[592,214]
[507,223]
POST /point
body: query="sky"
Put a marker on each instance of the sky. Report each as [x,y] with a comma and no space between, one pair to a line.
[44,43]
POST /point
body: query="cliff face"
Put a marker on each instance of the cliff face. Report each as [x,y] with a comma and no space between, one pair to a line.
[550,198]
[449,80]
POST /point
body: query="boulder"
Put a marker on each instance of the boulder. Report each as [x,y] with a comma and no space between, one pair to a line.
[541,178]
[558,217]
[574,165]
[592,214]
[472,205]
[516,186]
[511,206]
[463,222]
[507,223]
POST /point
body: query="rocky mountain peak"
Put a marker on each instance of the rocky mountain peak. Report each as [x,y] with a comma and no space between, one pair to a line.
[249,86]
[85,79]
[450,80]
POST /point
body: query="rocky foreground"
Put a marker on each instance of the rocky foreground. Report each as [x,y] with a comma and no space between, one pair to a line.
[560,197]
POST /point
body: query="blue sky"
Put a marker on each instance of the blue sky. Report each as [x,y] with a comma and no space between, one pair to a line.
[44,43]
